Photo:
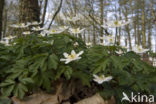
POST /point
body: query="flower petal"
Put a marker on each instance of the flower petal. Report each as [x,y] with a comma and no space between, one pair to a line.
[68,61]
[80,53]
[73,52]
[95,76]
[108,79]
[65,54]
[63,59]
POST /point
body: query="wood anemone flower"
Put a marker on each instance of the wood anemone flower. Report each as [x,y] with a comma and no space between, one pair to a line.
[101,79]
[6,43]
[119,52]
[108,40]
[76,30]
[9,37]
[54,31]
[26,33]
[139,49]
[71,57]
[114,24]
[73,19]
[37,28]
[89,44]
[63,28]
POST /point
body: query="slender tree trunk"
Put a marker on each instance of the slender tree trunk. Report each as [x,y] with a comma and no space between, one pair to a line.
[119,36]
[29,11]
[149,37]
[143,25]
[135,33]
[101,18]
[5,20]
[128,29]
[94,35]
[138,27]
[89,32]
[1,16]
[44,12]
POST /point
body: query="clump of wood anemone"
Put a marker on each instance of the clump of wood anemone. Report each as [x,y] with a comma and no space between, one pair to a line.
[33,64]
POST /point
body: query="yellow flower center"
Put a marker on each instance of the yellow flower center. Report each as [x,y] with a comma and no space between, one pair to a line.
[111,40]
[116,23]
[76,30]
[53,31]
[101,77]
[71,56]
[139,49]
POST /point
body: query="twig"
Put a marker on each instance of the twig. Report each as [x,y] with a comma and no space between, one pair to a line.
[44,12]
[58,10]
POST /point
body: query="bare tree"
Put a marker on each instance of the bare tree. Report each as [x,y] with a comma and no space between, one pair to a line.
[1,15]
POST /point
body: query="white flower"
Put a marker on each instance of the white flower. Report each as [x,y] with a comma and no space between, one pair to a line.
[72,57]
[73,19]
[108,40]
[89,44]
[54,31]
[76,44]
[101,79]
[119,52]
[114,24]
[26,33]
[49,42]
[42,34]
[63,28]
[139,49]
[75,31]
[9,37]
[21,25]
[5,42]
[37,28]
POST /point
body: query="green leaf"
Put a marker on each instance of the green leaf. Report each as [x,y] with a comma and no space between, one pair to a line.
[84,77]
[7,83]
[20,90]
[52,62]
[27,80]
[6,91]
[68,72]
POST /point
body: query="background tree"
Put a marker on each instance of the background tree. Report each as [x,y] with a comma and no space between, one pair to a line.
[1,16]
[29,11]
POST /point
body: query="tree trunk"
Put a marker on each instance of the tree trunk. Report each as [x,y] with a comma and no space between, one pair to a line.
[119,37]
[143,26]
[29,11]
[94,34]
[5,20]
[101,18]
[1,16]
[127,28]
[44,12]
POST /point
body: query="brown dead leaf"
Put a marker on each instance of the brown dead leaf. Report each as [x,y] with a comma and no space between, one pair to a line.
[39,98]
[96,99]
